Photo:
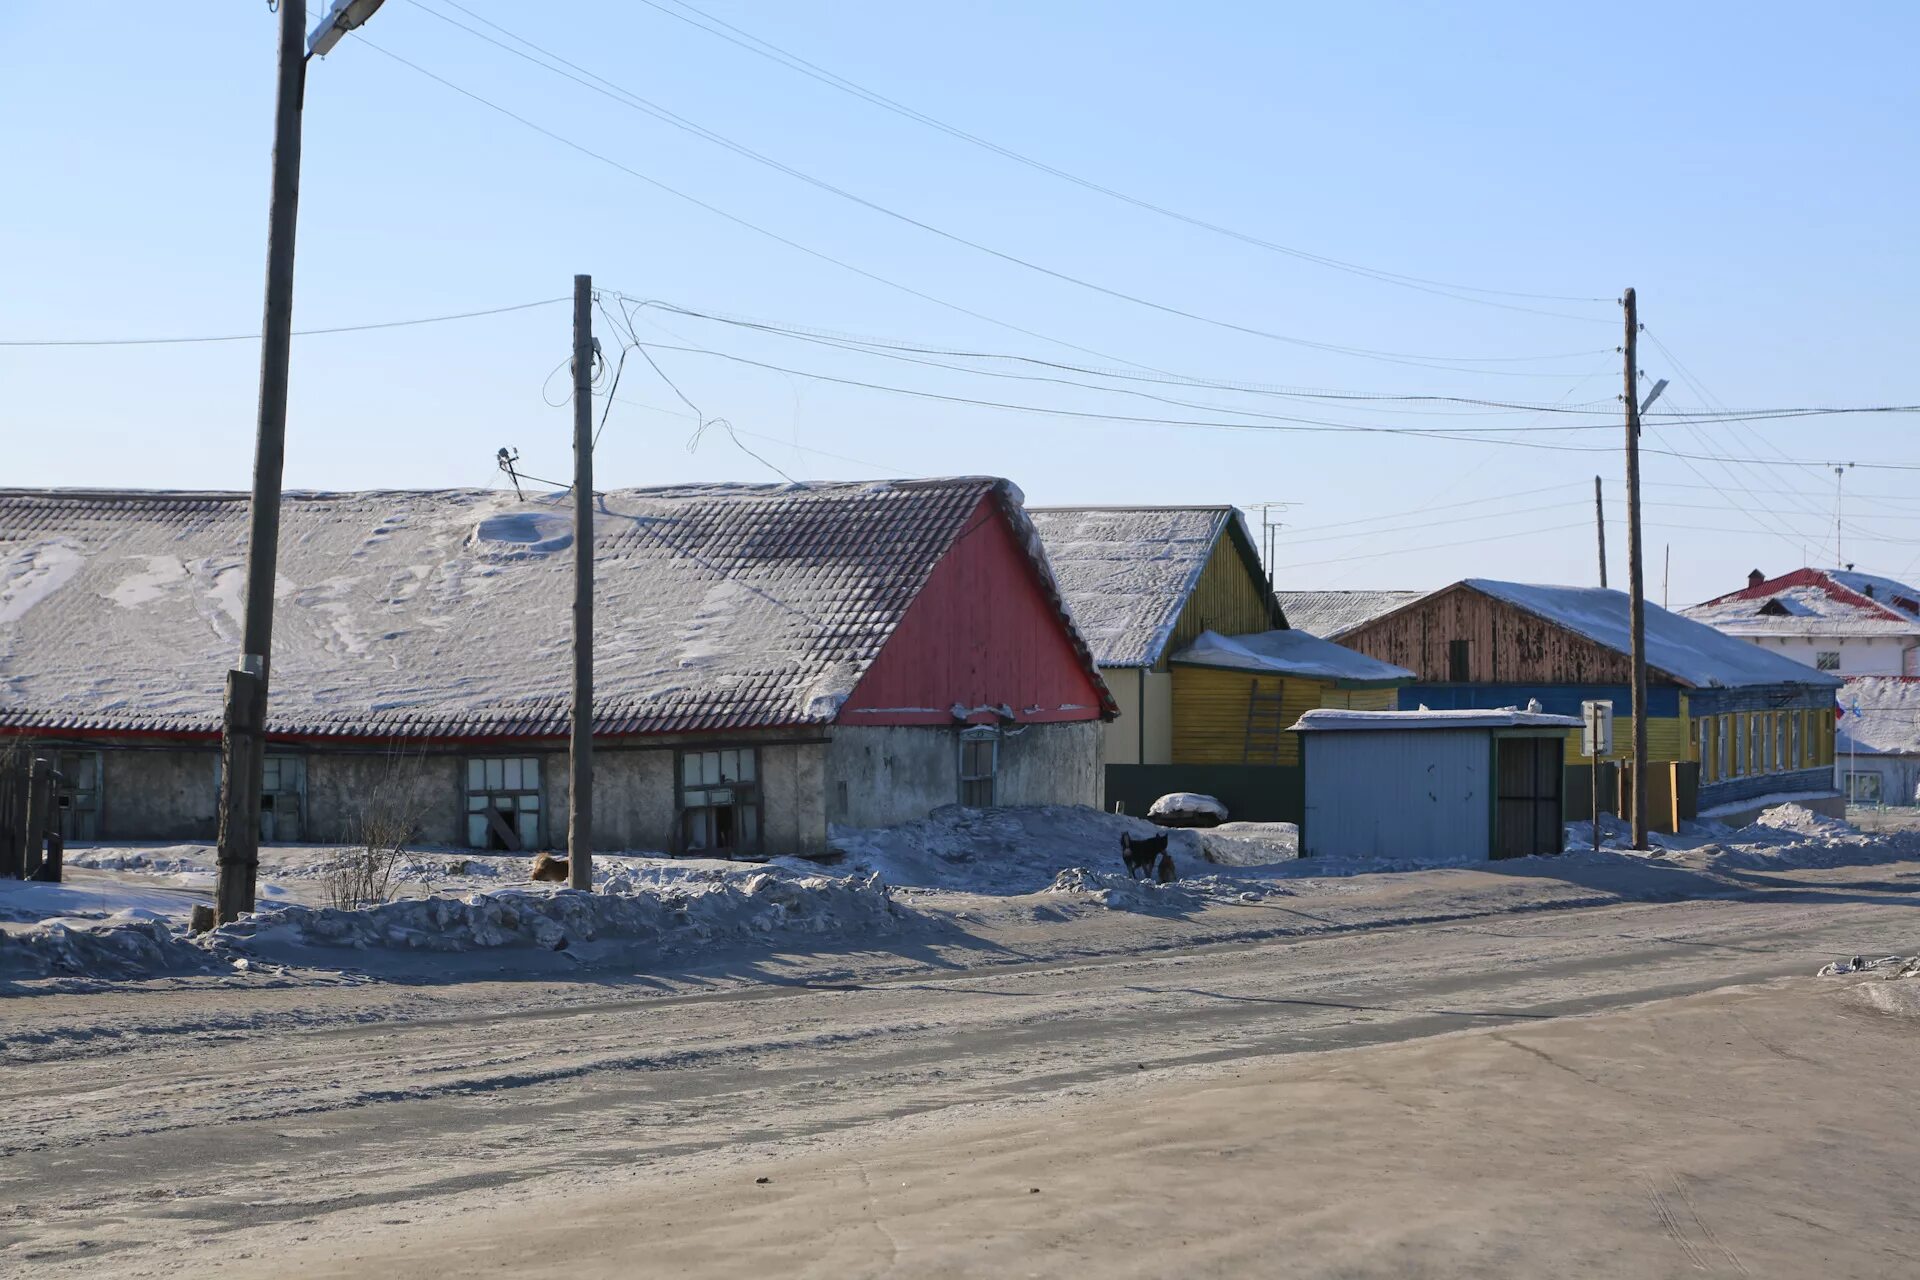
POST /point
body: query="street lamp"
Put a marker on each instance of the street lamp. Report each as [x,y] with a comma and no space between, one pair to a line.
[243,721]
[342,18]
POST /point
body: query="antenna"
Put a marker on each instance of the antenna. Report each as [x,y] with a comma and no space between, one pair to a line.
[507,457]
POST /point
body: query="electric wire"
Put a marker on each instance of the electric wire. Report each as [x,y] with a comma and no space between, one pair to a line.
[255,337]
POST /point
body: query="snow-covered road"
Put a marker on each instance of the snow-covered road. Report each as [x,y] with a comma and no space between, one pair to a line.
[141,1124]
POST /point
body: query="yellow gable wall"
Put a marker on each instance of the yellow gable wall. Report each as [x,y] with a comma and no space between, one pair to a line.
[1229,598]
[1210,713]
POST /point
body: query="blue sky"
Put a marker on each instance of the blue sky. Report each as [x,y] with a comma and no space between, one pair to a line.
[1751,169]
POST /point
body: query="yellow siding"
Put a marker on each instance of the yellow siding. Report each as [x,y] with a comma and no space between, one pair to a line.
[1210,713]
[1229,598]
[1667,739]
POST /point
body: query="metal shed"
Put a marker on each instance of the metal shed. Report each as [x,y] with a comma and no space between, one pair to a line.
[1432,785]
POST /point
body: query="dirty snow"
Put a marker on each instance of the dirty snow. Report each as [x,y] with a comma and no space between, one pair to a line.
[1187,802]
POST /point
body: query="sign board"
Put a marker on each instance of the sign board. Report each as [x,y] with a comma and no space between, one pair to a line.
[1596,735]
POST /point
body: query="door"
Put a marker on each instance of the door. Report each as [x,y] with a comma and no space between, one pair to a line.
[1527,818]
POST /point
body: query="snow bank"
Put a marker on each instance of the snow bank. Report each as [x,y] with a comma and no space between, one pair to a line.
[1024,850]
[126,945]
[1188,804]
[636,916]
[1787,837]
[1120,892]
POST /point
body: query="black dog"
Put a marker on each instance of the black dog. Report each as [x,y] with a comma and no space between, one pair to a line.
[1140,853]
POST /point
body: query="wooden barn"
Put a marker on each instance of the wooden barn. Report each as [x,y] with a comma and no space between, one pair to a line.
[1207,675]
[1744,723]
[770,660]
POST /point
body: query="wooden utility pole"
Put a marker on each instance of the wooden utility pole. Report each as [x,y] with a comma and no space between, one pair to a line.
[1600,529]
[580,757]
[243,723]
[1636,578]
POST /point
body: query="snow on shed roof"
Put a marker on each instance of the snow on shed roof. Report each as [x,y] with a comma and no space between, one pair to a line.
[1326,719]
[1126,572]
[447,613]
[1291,653]
[1880,715]
[1690,652]
[1330,614]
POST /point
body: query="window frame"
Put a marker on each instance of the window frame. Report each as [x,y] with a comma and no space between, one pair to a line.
[490,795]
[973,736]
[746,797]
[1820,662]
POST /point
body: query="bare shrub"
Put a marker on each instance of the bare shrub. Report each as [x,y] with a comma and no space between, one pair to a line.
[385,820]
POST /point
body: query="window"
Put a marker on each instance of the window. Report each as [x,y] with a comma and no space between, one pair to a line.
[1752,754]
[1863,788]
[1827,660]
[1702,749]
[1459,661]
[1723,731]
[503,803]
[720,801]
[1772,609]
[78,798]
[1794,743]
[979,759]
[283,795]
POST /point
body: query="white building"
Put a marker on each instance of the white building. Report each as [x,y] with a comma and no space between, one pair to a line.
[1852,624]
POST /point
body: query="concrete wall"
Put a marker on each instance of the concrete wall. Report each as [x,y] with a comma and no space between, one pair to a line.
[344,789]
[878,776]
[159,794]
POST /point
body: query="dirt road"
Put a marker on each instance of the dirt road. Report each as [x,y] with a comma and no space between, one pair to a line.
[139,1126]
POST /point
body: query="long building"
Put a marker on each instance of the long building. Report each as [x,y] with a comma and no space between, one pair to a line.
[769,660]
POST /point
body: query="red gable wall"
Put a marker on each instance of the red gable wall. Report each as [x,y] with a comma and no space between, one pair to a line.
[982,632]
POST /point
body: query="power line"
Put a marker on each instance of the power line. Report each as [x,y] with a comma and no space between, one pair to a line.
[254,337]
[765,49]
[1438,546]
[625,97]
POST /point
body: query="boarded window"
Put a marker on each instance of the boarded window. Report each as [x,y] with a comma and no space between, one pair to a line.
[1459,661]
[979,760]
[283,798]
[503,802]
[1827,660]
[720,801]
[78,798]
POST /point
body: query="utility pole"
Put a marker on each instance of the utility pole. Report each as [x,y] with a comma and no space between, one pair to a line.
[580,757]
[243,722]
[1636,577]
[1600,529]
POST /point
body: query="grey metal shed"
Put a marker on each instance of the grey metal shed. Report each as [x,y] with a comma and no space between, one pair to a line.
[1432,785]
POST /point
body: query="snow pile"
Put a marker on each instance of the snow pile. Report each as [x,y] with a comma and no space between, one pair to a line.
[756,907]
[128,944]
[1188,808]
[1117,891]
[1786,837]
[1885,966]
[1023,850]
[1795,822]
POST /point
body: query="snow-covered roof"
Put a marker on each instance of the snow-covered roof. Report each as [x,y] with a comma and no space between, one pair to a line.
[1325,719]
[447,613]
[1331,614]
[1126,572]
[1879,715]
[1289,653]
[1689,652]
[1816,602]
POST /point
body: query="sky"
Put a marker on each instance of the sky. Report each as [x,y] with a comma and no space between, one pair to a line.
[1752,170]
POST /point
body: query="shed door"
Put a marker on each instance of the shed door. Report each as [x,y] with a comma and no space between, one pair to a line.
[1528,817]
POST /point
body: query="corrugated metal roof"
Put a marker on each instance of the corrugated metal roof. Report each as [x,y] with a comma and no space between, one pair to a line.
[1330,614]
[447,613]
[1126,572]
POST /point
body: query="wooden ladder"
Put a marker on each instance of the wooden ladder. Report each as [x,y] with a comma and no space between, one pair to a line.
[1266,722]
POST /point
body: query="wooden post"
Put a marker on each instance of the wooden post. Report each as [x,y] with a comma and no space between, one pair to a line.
[580,755]
[240,763]
[1600,529]
[240,788]
[39,815]
[1637,586]
[13,813]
